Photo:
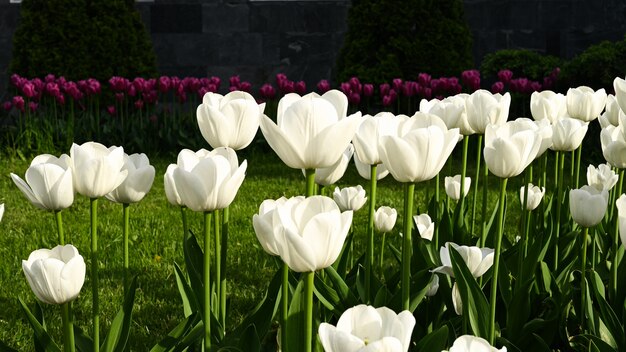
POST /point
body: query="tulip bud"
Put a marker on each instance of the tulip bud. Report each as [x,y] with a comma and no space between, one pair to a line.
[535,194]
[601,178]
[350,198]
[584,103]
[385,218]
[588,205]
[453,186]
[55,275]
[478,260]
[425,226]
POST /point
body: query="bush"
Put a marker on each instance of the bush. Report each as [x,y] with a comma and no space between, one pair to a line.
[596,67]
[81,38]
[387,39]
[522,62]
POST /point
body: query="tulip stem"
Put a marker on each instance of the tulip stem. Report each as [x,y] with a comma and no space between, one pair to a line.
[126,212]
[382,254]
[483,230]
[559,189]
[284,300]
[310,182]
[461,218]
[528,175]
[583,283]
[207,280]
[308,309]
[476,177]
[218,258]
[224,248]
[436,232]
[68,328]
[409,190]
[59,222]
[185,223]
[94,275]
[577,170]
[496,262]
[369,259]
[616,239]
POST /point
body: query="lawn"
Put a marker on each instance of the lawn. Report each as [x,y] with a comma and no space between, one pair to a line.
[156,244]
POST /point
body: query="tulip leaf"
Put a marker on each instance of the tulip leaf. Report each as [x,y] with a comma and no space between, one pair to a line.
[249,340]
[327,296]
[194,260]
[341,287]
[295,319]
[588,343]
[120,327]
[41,335]
[475,305]
[83,342]
[175,336]
[342,264]
[435,341]
[608,316]
[536,252]
[540,345]
[518,311]
[185,291]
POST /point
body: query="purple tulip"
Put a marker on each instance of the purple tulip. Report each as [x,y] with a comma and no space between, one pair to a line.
[212,87]
[245,86]
[471,78]
[424,79]
[427,93]
[32,106]
[323,86]
[267,91]
[354,98]
[280,77]
[345,88]
[49,78]
[150,97]
[368,90]
[52,89]
[437,85]
[286,86]
[28,89]
[165,83]
[497,87]
[355,84]
[397,84]
[71,88]
[215,81]
[384,89]
[535,86]
[300,87]
[60,98]
[234,81]
[7,105]
[39,84]
[131,91]
[139,104]
[388,100]
[505,76]
[119,84]
[201,92]
[18,102]
[111,110]
[17,80]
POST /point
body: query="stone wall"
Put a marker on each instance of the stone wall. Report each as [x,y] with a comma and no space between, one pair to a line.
[258,39]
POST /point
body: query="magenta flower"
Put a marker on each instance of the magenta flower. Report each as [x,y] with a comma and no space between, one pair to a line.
[28,89]
[18,102]
[267,91]
[397,84]
[300,87]
[323,86]
[424,79]
[354,98]
[234,81]
[165,83]
[384,89]
[119,84]
[535,86]
[505,75]
[139,104]
[7,105]
[245,86]
[368,90]
[345,88]
[286,86]
[497,87]
[32,106]
[280,77]
[355,84]
[111,110]
[49,78]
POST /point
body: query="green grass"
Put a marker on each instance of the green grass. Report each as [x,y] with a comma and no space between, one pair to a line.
[156,233]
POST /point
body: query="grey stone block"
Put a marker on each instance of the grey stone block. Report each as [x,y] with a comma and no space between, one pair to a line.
[238,49]
[176,18]
[305,17]
[221,18]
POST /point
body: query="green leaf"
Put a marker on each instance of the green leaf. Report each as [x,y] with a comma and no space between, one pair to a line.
[194,260]
[590,343]
[41,335]
[295,319]
[435,341]
[250,340]
[342,264]
[190,304]
[475,305]
[341,287]
[608,316]
[175,336]
[120,327]
[83,342]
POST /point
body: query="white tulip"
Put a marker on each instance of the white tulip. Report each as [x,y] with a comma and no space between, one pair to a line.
[49,184]
[55,275]
[568,134]
[619,85]
[264,221]
[510,148]
[385,219]
[535,194]
[451,110]
[485,108]
[602,177]
[433,286]
[613,141]
[425,226]
[330,175]
[588,205]
[137,183]
[548,105]
[229,121]
[97,170]
[365,170]
[1,211]
[453,186]
[468,343]
[365,328]
[457,302]
[478,260]
[621,213]
[350,198]
[584,103]
[367,136]
[612,113]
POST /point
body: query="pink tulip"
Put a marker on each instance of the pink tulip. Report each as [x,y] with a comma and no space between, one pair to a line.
[235,81]
[388,100]
[201,92]
[49,78]
[424,79]
[39,84]
[535,86]
[32,106]
[345,88]
[165,83]
[212,88]
[355,84]
[7,105]
[18,102]
[505,76]
[280,77]
[267,91]
[245,86]
[150,97]
[17,80]
[139,104]
[215,81]
[384,89]
[354,98]
[426,93]
[497,87]
[368,90]
[397,84]
[28,89]
[287,86]
[323,86]
[300,87]
[111,110]
[437,85]
[60,98]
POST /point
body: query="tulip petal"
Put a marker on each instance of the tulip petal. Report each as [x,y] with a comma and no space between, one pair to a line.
[28,193]
[290,153]
[336,340]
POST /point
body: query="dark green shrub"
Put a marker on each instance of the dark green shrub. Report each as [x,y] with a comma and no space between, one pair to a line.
[596,67]
[81,38]
[401,38]
[523,63]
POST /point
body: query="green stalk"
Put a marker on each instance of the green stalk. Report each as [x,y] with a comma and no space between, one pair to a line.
[483,230]
[525,224]
[59,222]
[68,328]
[284,303]
[382,254]
[616,239]
[559,190]
[218,259]
[577,170]
[461,218]
[183,215]
[224,234]
[436,232]
[308,310]
[571,168]
[126,211]
[369,258]
[207,280]
[310,182]
[476,178]
[409,190]
[94,275]
[544,170]
[496,263]
[583,286]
